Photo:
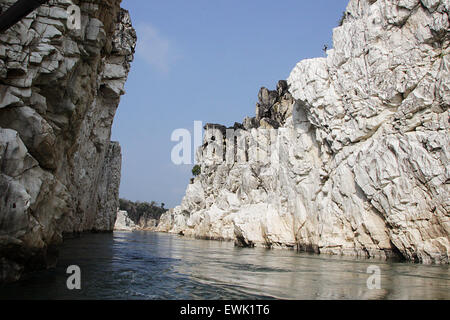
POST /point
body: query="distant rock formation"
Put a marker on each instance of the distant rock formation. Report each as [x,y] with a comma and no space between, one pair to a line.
[144,215]
[359,162]
[123,222]
[59,90]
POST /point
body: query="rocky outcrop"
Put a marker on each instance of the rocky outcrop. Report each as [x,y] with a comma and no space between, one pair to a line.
[123,222]
[145,215]
[360,166]
[59,90]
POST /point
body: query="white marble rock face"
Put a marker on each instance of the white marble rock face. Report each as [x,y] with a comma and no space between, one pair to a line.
[123,222]
[363,157]
[59,90]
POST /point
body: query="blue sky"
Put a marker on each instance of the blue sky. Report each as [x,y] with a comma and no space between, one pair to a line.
[205,60]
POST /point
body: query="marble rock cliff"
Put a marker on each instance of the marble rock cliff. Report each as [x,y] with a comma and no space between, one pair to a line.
[59,90]
[360,147]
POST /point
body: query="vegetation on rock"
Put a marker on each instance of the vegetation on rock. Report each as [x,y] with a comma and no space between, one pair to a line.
[138,210]
[196,170]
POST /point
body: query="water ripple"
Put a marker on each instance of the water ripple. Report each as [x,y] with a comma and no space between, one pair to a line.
[143,265]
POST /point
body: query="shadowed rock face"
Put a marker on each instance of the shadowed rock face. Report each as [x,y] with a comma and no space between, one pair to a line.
[362,161]
[59,90]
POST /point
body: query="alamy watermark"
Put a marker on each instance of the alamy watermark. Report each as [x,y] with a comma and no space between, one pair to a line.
[228,145]
[374,280]
[74,280]
[74,17]
[73,11]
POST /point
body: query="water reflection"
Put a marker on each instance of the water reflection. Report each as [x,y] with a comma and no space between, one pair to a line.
[142,265]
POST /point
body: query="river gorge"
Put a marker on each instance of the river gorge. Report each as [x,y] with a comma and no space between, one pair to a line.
[336,187]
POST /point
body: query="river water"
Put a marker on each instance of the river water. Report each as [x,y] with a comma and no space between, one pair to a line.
[146,265]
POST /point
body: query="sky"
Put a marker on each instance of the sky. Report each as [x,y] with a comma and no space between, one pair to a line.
[205,60]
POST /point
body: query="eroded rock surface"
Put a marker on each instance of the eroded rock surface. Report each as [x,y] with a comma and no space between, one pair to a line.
[59,90]
[360,160]
[123,222]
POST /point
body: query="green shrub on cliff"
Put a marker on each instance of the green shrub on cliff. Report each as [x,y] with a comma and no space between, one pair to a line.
[196,170]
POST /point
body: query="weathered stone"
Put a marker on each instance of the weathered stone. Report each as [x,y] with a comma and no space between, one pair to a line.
[59,172]
[123,222]
[360,163]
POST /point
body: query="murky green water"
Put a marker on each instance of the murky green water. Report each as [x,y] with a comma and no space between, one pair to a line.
[144,265]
